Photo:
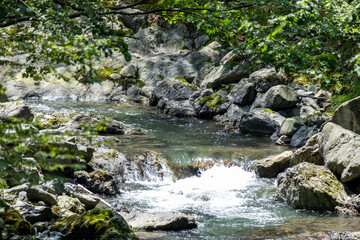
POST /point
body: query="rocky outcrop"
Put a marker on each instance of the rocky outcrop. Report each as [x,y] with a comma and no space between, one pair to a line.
[159,221]
[312,187]
[347,115]
[270,167]
[340,149]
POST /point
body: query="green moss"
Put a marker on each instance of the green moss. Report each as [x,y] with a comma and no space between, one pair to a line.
[186,83]
[95,224]
[268,110]
[213,101]
[57,121]
[104,73]
[100,175]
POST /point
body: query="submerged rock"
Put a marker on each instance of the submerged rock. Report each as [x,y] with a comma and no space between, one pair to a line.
[270,167]
[341,151]
[160,221]
[311,187]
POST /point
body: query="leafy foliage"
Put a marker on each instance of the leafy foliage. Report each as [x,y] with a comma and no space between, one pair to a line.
[318,39]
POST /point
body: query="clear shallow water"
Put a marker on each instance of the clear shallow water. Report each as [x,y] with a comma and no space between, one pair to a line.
[227,202]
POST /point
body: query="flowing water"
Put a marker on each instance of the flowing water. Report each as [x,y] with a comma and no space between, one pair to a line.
[227,202]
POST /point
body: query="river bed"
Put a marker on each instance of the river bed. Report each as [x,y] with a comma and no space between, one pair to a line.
[227,202]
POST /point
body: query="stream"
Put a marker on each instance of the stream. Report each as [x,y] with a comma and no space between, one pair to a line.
[227,202]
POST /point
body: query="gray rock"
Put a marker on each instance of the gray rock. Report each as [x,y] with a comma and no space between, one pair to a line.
[277,98]
[98,181]
[270,167]
[129,71]
[291,125]
[15,109]
[36,194]
[160,221]
[261,121]
[225,74]
[345,236]
[243,93]
[180,108]
[341,151]
[68,206]
[235,112]
[347,115]
[311,187]
[309,153]
[266,78]
[302,135]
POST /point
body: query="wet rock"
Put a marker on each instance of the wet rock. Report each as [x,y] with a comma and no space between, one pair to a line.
[160,221]
[15,109]
[261,121]
[347,115]
[68,206]
[266,78]
[302,135]
[311,187]
[340,149]
[309,153]
[97,224]
[291,125]
[195,167]
[278,98]
[36,194]
[243,93]
[270,167]
[98,181]
[223,74]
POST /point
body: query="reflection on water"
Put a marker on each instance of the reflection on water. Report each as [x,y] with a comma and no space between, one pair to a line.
[227,202]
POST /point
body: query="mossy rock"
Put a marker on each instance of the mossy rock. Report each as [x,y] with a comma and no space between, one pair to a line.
[16,223]
[56,122]
[97,224]
[213,101]
[268,110]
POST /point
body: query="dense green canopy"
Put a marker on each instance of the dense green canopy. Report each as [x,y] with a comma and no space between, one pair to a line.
[317,39]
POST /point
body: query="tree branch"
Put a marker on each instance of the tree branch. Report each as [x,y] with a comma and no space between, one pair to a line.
[129,6]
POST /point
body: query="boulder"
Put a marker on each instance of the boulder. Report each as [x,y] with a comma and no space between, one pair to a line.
[243,93]
[291,125]
[98,181]
[302,135]
[97,224]
[270,167]
[108,160]
[278,98]
[312,187]
[224,74]
[261,121]
[36,194]
[266,78]
[347,115]
[235,112]
[309,153]
[180,108]
[341,150]
[15,109]
[159,221]
[129,71]
[39,214]
[68,206]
